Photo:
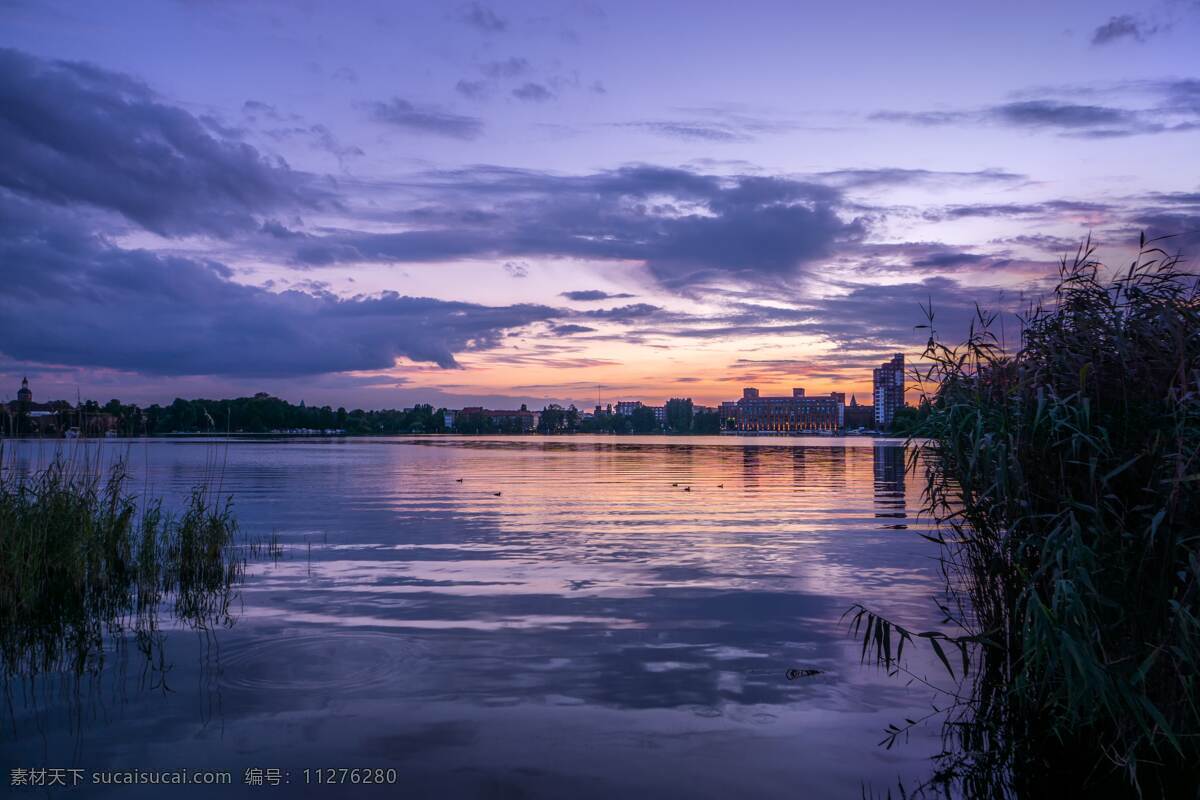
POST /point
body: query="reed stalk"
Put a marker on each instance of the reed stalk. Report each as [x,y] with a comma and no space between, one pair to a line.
[1065,481]
[83,564]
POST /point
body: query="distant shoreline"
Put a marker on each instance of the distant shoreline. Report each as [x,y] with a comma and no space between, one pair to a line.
[271,435]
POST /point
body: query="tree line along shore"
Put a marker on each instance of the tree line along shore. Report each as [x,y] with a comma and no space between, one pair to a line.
[263,413]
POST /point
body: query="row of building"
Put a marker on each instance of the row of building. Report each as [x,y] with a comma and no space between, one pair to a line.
[625,408]
[798,412]
[523,420]
[23,417]
[754,412]
[520,421]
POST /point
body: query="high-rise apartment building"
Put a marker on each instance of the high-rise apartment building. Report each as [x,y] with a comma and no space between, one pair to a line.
[889,390]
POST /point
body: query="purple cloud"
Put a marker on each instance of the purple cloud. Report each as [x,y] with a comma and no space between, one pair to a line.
[425,119]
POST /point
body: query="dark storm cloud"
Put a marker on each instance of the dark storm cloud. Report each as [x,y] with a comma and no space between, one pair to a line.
[506,68]
[73,298]
[533,93]
[943,260]
[863,321]
[475,90]
[1049,209]
[906,259]
[685,226]
[479,16]
[884,314]
[426,119]
[1074,119]
[256,108]
[1124,26]
[895,176]
[1173,202]
[892,313]
[1184,198]
[1180,95]
[1180,230]
[1056,114]
[1067,118]
[72,133]
[629,313]
[593,294]
[1043,243]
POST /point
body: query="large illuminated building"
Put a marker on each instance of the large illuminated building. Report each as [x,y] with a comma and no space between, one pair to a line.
[757,414]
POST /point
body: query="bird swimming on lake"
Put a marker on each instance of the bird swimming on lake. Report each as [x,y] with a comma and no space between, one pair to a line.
[497,494]
[458,480]
[687,488]
[720,486]
[674,484]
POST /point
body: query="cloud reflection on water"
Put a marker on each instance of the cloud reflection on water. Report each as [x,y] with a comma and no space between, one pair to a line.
[419,622]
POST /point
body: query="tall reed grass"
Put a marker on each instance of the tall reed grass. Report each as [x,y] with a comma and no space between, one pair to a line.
[84,563]
[1066,480]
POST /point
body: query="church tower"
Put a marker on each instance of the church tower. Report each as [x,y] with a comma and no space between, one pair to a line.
[23,394]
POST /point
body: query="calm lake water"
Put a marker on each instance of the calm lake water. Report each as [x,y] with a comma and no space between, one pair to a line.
[593,631]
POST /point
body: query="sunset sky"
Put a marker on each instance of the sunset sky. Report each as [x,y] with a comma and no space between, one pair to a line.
[376,204]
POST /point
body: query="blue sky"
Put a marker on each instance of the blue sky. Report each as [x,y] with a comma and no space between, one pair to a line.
[378,203]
